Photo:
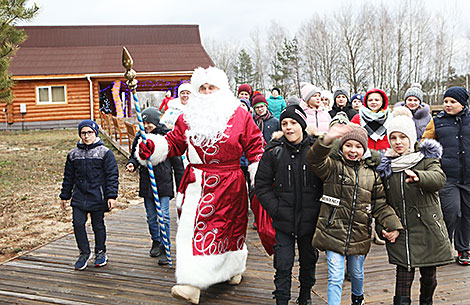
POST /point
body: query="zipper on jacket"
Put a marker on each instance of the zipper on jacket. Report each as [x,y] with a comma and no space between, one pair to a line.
[102,194]
[289,169]
[304,167]
[439,225]
[353,209]
[405,223]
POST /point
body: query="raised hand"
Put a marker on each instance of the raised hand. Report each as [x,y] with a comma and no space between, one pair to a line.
[335,132]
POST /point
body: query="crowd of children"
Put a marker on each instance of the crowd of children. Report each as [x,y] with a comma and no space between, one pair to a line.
[331,166]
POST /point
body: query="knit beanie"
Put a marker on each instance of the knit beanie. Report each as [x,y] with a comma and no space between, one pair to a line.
[458,93]
[402,121]
[379,91]
[246,88]
[308,90]
[357,133]
[185,87]
[414,91]
[258,98]
[340,118]
[294,112]
[339,92]
[246,102]
[293,100]
[88,123]
[151,115]
[356,96]
[277,89]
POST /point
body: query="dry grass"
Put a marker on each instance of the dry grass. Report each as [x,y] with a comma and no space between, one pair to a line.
[31,172]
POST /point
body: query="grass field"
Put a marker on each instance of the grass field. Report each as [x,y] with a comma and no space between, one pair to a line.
[31,172]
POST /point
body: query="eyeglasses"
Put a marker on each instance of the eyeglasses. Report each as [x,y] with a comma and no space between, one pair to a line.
[87,133]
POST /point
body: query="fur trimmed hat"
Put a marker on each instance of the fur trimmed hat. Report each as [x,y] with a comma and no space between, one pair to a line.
[185,87]
[258,98]
[245,88]
[294,112]
[458,93]
[151,115]
[357,133]
[211,76]
[88,123]
[414,91]
[308,90]
[402,121]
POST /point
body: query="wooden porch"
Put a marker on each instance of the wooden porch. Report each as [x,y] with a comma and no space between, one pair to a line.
[46,275]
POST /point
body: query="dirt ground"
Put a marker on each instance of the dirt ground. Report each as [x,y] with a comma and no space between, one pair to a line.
[31,172]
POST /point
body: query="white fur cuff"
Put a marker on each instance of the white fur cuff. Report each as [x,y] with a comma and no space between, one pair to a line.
[252,169]
[160,153]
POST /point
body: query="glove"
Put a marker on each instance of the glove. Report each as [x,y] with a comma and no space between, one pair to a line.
[145,151]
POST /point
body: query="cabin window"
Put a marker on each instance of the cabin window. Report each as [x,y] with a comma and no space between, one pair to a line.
[50,94]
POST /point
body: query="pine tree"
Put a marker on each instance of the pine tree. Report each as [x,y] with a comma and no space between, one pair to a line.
[286,67]
[11,11]
[243,69]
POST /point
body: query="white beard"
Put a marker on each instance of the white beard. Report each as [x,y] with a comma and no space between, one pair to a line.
[207,116]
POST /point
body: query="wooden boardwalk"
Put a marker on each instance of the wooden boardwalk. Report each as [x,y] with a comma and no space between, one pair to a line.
[46,275]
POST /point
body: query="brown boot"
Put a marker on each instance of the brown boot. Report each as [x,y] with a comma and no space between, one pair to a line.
[186,292]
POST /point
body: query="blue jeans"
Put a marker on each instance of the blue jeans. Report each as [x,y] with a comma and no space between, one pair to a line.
[336,275]
[152,217]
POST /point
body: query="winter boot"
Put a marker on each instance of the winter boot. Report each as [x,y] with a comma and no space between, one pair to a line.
[162,259]
[357,300]
[304,296]
[282,301]
[401,300]
[426,291]
[186,292]
[155,251]
[425,300]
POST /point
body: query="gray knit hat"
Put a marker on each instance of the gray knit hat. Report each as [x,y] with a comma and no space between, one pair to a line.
[339,92]
[414,91]
[151,115]
[357,133]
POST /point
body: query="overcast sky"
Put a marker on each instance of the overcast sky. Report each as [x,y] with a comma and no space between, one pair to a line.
[218,19]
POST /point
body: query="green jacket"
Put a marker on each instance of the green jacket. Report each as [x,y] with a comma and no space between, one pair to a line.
[424,241]
[346,229]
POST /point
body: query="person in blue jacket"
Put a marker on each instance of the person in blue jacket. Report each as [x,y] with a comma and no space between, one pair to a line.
[276,102]
[91,180]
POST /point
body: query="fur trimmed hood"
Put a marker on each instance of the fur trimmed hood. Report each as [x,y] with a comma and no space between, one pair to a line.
[428,147]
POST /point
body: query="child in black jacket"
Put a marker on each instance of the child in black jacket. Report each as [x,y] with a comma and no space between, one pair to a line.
[164,179]
[289,191]
[91,180]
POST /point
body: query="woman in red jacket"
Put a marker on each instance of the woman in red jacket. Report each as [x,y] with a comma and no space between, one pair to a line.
[374,117]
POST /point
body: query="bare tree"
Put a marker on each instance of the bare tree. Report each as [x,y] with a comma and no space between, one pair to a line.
[224,55]
[259,60]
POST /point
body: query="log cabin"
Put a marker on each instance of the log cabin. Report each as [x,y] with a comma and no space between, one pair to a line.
[64,74]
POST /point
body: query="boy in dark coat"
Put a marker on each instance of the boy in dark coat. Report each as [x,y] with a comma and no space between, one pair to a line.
[164,178]
[289,191]
[91,180]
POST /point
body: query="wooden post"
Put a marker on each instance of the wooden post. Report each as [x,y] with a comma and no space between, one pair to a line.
[10,118]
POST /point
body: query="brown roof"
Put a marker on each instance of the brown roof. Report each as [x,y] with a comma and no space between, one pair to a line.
[98,49]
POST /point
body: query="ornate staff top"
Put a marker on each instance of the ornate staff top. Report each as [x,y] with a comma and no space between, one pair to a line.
[130,74]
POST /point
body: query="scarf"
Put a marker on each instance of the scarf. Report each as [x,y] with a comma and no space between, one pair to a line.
[374,122]
[259,119]
[406,161]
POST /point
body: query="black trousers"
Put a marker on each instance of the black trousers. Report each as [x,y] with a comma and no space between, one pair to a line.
[404,279]
[284,254]
[97,222]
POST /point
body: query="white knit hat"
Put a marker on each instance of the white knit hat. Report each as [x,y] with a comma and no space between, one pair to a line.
[211,76]
[185,87]
[402,122]
[308,90]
